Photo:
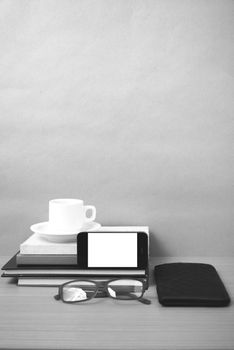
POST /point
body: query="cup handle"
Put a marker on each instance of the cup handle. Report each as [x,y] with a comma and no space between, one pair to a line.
[93,216]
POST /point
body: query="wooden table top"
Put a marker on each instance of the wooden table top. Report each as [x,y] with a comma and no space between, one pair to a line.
[30,318]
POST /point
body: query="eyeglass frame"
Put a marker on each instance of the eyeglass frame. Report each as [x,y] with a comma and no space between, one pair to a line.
[104,284]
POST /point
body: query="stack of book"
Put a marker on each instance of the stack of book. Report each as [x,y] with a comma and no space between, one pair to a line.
[43,263]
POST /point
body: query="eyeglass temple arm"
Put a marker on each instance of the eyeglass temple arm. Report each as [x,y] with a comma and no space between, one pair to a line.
[145,301]
[142,300]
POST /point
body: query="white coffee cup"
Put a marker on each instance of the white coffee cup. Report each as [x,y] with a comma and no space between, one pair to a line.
[68,214]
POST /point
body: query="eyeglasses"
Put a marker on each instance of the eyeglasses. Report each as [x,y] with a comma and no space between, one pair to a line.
[83,290]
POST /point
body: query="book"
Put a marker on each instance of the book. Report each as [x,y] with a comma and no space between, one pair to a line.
[52,282]
[35,244]
[38,281]
[72,272]
[11,269]
[46,259]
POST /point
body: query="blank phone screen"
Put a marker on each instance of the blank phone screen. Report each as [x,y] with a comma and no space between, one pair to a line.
[112,249]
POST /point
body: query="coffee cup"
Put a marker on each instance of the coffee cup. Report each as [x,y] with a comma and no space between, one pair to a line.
[67,214]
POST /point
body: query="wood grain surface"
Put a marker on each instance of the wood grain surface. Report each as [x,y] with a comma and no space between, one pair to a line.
[32,319]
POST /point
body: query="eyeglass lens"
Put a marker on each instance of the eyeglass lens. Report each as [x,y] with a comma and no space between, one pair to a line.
[79,291]
[125,289]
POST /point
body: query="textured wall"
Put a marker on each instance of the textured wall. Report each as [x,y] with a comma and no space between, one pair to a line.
[126,104]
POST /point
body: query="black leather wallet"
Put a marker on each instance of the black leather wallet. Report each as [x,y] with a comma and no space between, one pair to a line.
[189,284]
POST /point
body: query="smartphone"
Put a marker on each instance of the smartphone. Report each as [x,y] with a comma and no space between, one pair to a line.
[112,250]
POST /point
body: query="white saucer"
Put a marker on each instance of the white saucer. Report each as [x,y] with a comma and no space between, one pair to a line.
[44,230]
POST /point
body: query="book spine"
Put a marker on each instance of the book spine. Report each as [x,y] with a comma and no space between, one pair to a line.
[59,249]
[28,259]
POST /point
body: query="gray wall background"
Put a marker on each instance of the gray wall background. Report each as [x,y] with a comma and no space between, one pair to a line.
[125,104]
